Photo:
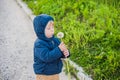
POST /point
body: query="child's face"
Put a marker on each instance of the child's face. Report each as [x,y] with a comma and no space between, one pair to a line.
[49,30]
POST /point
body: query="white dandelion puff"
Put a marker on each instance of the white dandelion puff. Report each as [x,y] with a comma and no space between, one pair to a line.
[60,35]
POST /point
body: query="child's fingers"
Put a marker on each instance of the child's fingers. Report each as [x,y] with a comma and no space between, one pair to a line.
[62,46]
[66,53]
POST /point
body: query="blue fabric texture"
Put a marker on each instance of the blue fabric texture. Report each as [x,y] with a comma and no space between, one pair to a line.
[47,55]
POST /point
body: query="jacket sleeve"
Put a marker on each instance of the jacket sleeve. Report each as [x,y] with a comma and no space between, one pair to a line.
[46,55]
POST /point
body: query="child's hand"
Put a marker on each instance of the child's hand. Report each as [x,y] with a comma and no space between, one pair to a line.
[62,47]
[66,53]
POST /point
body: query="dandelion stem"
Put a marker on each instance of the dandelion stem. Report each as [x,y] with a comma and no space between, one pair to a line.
[67,63]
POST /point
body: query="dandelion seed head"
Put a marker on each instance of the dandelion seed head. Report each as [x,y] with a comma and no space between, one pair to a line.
[60,35]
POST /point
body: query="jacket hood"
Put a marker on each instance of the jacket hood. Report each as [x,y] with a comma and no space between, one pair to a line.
[40,23]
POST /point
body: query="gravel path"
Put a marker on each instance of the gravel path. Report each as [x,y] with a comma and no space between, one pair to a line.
[16,43]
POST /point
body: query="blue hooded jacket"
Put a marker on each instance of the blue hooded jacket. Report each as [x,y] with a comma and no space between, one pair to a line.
[47,55]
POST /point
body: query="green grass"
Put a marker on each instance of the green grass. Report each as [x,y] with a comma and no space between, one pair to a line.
[92,32]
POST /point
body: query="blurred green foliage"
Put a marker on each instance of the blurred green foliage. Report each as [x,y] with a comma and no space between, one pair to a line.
[92,32]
